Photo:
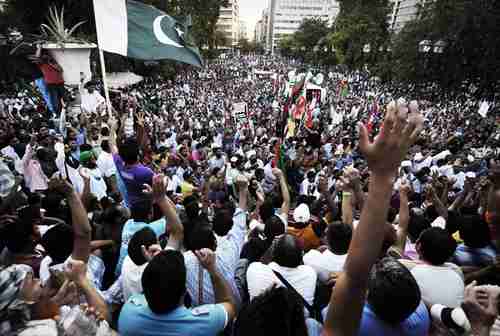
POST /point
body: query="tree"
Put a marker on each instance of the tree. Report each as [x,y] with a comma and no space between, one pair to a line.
[471,36]
[246,46]
[220,40]
[310,31]
[306,42]
[288,46]
[360,22]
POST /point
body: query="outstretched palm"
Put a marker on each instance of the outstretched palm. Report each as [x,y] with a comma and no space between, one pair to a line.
[400,129]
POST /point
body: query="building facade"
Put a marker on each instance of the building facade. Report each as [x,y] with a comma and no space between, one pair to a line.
[285,16]
[228,22]
[243,33]
[404,11]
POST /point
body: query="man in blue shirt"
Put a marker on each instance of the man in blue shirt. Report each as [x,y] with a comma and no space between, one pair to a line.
[160,310]
[141,213]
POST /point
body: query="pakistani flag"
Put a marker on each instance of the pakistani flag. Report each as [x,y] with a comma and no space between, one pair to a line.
[131,28]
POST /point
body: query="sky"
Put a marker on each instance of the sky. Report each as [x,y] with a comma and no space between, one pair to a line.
[250,12]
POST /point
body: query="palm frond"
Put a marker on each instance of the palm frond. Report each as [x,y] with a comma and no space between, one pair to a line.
[72,30]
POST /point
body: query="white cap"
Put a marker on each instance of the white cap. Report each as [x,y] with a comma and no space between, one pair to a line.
[251,153]
[419,156]
[406,164]
[301,213]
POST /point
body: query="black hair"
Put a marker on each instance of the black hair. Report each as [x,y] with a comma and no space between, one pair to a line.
[287,252]
[201,237]
[191,207]
[16,233]
[104,132]
[254,249]
[58,242]
[129,150]
[273,227]
[223,221]
[141,210]
[339,237]
[144,237]
[85,147]
[105,146]
[276,311]
[164,281]
[266,210]
[474,231]
[436,245]
[416,225]
[391,281]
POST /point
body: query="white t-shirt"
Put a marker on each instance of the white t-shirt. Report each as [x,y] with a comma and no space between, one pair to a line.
[90,101]
[440,284]
[106,164]
[324,263]
[260,277]
[97,184]
[131,278]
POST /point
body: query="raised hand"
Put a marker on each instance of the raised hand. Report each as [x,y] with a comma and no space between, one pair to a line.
[481,316]
[405,188]
[76,271]
[150,252]
[401,127]
[206,257]
[140,118]
[61,185]
[241,182]
[277,172]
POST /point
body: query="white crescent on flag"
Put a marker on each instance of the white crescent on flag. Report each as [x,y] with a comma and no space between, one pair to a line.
[160,34]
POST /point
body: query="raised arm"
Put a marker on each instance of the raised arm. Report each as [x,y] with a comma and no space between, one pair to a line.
[113,125]
[327,195]
[222,290]
[167,207]
[285,207]
[77,272]
[404,216]
[438,204]
[384,156]
[81,226]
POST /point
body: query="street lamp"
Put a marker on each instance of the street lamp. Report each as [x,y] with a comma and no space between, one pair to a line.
[367,48]
[439,47]
[425,46]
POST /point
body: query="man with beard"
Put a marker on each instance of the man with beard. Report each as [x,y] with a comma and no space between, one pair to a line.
[92,174]
[218,160]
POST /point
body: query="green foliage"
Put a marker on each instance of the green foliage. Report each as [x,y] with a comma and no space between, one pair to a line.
[308,42]
[471,31]
[220,40]
[360,22]
[246,46]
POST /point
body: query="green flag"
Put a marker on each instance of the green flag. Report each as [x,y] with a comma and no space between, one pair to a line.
[131,28]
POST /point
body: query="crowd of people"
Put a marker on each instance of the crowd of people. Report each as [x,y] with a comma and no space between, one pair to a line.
[371,214]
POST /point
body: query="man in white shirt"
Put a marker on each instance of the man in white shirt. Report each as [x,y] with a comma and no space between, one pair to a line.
[105,160]
[332,259]
[91,98]
[135,262]
[287,260]
[218,160]
[97,184]
[440,282]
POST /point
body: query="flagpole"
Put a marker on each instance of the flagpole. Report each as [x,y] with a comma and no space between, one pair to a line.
[104,80]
